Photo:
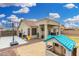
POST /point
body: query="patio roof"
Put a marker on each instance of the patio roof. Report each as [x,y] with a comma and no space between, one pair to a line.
[47,21]
[65,41]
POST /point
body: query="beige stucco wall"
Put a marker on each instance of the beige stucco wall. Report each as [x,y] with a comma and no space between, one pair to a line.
[25,27]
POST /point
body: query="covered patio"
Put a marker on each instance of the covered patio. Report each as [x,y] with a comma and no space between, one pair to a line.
[48,26]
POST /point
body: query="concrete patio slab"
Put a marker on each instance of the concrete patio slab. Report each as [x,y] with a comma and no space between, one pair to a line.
[5,41]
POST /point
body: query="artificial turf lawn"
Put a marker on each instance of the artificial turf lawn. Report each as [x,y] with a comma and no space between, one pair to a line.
[74,38]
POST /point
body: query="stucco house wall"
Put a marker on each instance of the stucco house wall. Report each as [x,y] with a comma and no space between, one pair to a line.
[25,27]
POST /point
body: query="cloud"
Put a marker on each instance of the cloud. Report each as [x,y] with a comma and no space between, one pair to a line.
[72,22]
[14,18]
[74,19]
[32,19]
[4,21]
[24,7]
[17,4]
[71,25]
[2,15]
[3,5]
[22,10]
[25,4]
[69,20]
[70,6]
[0,23]
[54,15]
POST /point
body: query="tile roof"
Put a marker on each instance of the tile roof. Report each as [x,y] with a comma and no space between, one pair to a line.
[30,23]
[65,41]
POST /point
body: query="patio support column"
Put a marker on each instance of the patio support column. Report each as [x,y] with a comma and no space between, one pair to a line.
[45,31]
[39,31]
[30,31]
[59,29]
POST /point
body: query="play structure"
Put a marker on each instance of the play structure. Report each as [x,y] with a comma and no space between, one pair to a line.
[62,45]
[64,40]
[28,37]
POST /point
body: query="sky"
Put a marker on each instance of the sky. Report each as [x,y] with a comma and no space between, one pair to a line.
[65,13]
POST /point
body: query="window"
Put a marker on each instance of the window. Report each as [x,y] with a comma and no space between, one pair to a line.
[28,31]
[34,31]
[42,29]
[56,44]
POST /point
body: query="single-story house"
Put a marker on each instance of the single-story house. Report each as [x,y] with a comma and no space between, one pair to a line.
[40,28]
[28,28]
[62,45]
